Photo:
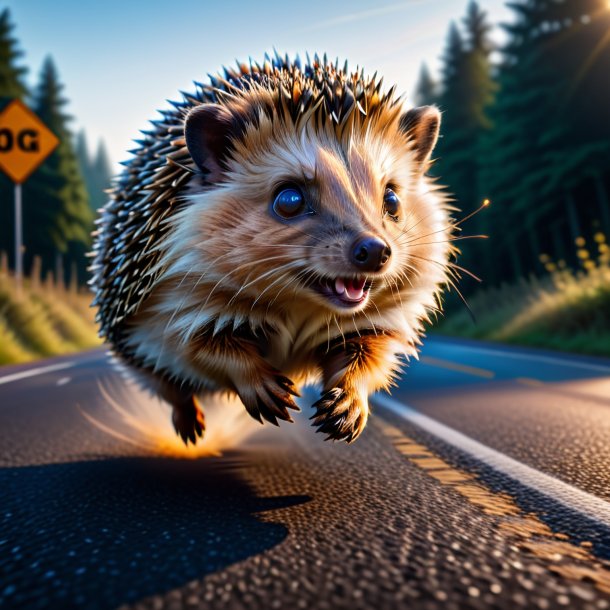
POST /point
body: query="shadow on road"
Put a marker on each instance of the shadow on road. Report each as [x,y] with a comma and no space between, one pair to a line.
[103,533]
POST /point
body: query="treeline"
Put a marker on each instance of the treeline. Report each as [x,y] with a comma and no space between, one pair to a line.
[529,130]
[61,196]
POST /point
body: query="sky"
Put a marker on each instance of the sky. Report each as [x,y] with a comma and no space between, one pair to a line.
[120,60]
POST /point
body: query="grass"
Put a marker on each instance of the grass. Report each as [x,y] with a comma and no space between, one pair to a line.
[44,320]
[565,310]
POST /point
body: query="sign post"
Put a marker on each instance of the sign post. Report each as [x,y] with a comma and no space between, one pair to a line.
[25,142]
[18,239]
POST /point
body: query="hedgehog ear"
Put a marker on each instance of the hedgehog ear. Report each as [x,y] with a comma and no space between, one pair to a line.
[422,125]
[207,131]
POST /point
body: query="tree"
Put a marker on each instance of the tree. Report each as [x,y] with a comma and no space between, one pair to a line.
[451,103]
[467,91]
[426,89]
[11,75]
[103,177]
[11,87]
[96,172]
[551,128]
[57,217]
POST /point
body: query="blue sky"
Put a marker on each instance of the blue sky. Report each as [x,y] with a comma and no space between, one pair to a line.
[120,60]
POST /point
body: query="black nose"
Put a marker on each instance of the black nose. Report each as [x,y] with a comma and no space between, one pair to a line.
[370,253]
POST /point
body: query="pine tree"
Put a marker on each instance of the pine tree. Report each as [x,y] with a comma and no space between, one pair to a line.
[103,177]
[96,172]
[11,87]
[467,91]
[57,217]
[477,68]
[11,75]
[84,160]
[514,172]
[426,89]
[551,128]
[450,101]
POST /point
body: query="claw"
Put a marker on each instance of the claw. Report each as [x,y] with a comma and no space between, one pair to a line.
[287,384]
[265,411]
[337,415]
[272,400]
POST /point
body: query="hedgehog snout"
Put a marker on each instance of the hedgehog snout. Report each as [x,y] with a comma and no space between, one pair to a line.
[370,253]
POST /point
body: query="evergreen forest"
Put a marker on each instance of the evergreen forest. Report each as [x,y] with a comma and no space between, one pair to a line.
[527,126]
[61,196]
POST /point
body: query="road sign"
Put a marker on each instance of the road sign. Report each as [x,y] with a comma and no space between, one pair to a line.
[25,141]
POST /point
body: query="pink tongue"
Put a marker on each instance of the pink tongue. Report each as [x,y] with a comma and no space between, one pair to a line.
[354,289]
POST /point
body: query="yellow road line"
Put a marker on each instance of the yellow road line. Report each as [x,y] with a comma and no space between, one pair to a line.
[529,533]
[456,366]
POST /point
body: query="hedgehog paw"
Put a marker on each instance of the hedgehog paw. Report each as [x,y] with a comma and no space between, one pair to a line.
[340,414]
[270,399]
[188,420]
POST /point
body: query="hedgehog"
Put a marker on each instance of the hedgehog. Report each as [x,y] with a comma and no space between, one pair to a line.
[275,228]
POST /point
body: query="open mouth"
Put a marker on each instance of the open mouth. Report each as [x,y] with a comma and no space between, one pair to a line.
[346,292]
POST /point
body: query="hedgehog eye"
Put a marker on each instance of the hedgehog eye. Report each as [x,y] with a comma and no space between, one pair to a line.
[289,202]
[391,203]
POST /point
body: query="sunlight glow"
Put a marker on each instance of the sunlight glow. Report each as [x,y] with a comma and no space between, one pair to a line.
[143,421]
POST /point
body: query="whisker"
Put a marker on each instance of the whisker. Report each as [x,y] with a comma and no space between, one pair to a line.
[370,322]
[295,280]
[340,330]
[450,264]
[377,308]
[294,246]
[209,268]
[484,205]
[416,237]
[271,285]
[398,293]
[464,270]
[258,278]
[238,268]
[191,328]
[444,241]
[389,285]
[432,213]
[453,285]
[355,325]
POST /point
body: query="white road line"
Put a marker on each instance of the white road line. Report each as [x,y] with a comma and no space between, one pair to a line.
[37,371]
[547,359]
[575,499]
[63,381]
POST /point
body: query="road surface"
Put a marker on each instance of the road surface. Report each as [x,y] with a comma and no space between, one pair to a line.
[483,482]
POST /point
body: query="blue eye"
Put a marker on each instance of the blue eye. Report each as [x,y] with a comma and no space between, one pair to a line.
[289,203]
[391,203]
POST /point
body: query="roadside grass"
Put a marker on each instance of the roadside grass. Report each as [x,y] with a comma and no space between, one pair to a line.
[45,320]
[566,310]
[10,348]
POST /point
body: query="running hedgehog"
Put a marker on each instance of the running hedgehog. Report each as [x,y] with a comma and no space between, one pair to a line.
[275,228]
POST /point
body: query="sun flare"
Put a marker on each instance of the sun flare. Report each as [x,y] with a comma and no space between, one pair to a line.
[140,420]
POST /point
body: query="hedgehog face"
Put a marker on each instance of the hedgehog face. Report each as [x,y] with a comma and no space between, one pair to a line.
[303,214]
[331,201]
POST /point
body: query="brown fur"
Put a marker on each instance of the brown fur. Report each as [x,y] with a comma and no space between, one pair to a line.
[231,306]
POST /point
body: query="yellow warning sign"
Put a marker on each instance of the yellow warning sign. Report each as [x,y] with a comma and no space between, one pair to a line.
[25,141]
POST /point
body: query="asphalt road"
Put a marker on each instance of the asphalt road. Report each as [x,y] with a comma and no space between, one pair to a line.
[483,482]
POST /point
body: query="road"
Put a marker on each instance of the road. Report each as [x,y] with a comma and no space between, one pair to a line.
[483,482]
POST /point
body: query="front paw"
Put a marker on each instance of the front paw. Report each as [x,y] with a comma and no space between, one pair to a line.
[269,398]
[340,414]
